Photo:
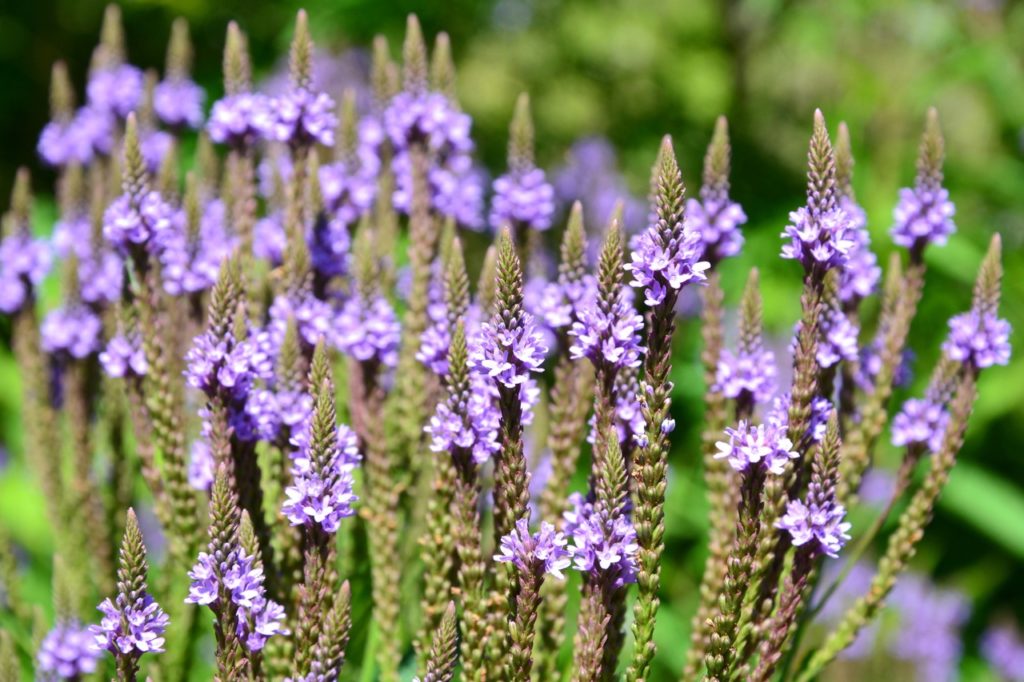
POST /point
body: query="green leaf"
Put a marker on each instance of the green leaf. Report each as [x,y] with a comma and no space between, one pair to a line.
[986,501]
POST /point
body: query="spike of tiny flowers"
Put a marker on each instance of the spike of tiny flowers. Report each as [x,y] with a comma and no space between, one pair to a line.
[523,198]
[67,652]
[924,214]
[714,215]
[133,623]
[859,278]
[533,556]
[820,233]
[177,99]
[667,257]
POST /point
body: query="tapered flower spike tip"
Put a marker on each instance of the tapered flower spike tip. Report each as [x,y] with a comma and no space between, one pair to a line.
[456,289]
[509,277]
[486,289]
[751,312]
[520,136]
[320,368]
[821,173]
[574,243]
[237,70]
[717,159]
[133,165]
[364,257]
[62,93]
[380,78]
[247,536]
[179,51]
[990,277]
[670,193]
[301,57]
[414,57]
[442,68]
[223,511]
[224,299]
[844,162]
[932,153]
[609,268]
[131,572]
[348,122]
[20,215]
[112,35]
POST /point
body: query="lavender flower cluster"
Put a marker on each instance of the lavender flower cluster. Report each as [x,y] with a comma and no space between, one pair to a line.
[213,328]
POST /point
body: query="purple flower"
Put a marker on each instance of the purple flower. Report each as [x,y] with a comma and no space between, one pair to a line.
[73,331]
[348,456]
[314,317]
[658,266]
[981,340]
[838,339]
[476,433]
[611,337]
[200,465]
[508,356]
[124,357]
[524,199]
[557,304]
[190,267]
[778,416]
[764,444]
[154,145]
[67,651]
[302,117]
[456,188]
[859,278]
[543,551]
[924,215]
[591,176]
[179,103]
[601,544]
[24,262]
[429,118]
[822,241]
[116,89]
[217,366]
[240,119]
[130,628]
[369,330]
[752,373]
[930,620]
[818,523]
[143,222]
[348,191]
[313,499]
[88,134]
[258,618]
[717,219]
[920,422]
[1002,647]
[269,238]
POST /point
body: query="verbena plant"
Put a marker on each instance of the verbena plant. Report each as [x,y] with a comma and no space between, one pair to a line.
[213,327]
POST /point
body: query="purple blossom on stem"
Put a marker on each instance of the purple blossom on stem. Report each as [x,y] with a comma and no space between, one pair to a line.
[200,465]
[318,500]
[543,551]
[717,219]
[924,215]
[144,222]
[659,265]
[609,338]
[239,120]
[127,629]
[192,267]
[823,241]
[116,89]
[73,331]
[270,239]
[24,263]
[601,544]
[348,457]
[67,652]
[369,330]
[88,134]
[751,372]
[257,618]
[524,198]
[430,118]
[124,357]
[978,339]
[302,117]
[764,445]
[838,339]
[178,103]
[815,522]
[920,422]
[859,278]
[349,192]
[477,433]
[217,366]
[508,356]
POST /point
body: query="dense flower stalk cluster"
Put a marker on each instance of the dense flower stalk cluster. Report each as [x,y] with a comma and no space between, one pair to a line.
[204,319]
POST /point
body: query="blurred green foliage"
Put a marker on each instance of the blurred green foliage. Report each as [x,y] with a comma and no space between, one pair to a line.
[632,72]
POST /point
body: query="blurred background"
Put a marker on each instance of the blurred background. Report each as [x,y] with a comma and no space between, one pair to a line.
[627,73]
